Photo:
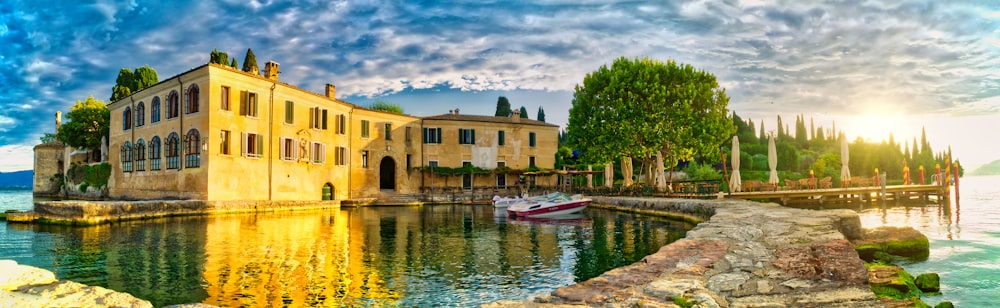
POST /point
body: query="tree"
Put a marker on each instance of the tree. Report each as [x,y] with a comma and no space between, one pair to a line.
[47,137]
[381,105]
[144,77]
[503,107]
[218,57]
[250,63]
[541,114]
[129,81]
[89,122]
[233,65]
[639,107]
[524,112]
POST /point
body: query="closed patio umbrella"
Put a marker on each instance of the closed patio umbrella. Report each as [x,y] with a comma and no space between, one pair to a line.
[845,172]
[772,161]
[661,177]
[609,175]
[734,179]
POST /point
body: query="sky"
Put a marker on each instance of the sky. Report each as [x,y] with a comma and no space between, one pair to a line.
[873,67]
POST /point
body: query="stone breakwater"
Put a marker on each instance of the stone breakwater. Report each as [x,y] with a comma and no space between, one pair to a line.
[79,212]
[746,254]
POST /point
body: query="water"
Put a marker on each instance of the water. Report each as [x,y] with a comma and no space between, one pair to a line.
[448,255]
[964,240]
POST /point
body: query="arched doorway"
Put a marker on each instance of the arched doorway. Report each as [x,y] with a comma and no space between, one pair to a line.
[328,191]
[387,173]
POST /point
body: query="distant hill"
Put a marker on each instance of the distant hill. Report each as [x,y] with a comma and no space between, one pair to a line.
[992,168]
[17,178]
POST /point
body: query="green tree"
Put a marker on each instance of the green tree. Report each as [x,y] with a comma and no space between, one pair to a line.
[130,81]
[144,77]
[524,112]
[385,106]
[233,65]
[47,137]
[541,114]
[638,107]
[89,121]
[250,62]
[218,57]
[503,107]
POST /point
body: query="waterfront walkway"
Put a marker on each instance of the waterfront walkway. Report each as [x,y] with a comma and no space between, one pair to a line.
[849,194]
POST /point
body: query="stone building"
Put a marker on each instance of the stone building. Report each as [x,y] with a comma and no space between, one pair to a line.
[215,133]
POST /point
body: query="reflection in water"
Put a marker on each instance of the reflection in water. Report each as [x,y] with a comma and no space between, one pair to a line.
[444,255]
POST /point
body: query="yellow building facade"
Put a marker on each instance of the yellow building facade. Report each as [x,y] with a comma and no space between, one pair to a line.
[215,133]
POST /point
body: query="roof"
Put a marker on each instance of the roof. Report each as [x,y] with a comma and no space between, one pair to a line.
[492,119]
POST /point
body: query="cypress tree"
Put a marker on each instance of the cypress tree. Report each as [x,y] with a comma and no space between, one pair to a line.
[250,63]
[541,114]
[503,107]
[234,63]
[218,57]
[524,112]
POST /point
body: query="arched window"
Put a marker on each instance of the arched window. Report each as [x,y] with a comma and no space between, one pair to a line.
[191,99]
[139,151]
[154,110]
[140,114]
[192,149]
[172,148]
[127,118]
[127,157]
[154,153]
[172,102]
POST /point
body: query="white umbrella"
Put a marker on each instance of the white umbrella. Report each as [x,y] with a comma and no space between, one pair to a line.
[845,172]
[734,180]
[661,178]
[772,161]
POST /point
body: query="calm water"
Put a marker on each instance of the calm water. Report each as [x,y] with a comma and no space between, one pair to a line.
[964,238]
[376,256]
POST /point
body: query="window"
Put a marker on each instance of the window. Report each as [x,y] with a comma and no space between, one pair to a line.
[127,157]
[154,153]
[365,132]
[432,135]
[432,164]
[127,118]
[531,161]
[192,153]
[501,177]
[317,118]
[318,153]
[289,152]
[140,114]
[341,124]
[364,159]
[139,151]
[388,131]
[409,158]
[500,137]
[408,136]
[172,102]
[224,100]
[253,145]
[289,112]
[531,139]
[248,104]
[154,110]
[191,99]
[224,143]
[466,136]
[173,148]
[341,156]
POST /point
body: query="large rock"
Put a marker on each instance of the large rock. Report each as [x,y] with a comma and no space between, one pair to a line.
[14,276]
[905,242]
[929,282]
[27,286]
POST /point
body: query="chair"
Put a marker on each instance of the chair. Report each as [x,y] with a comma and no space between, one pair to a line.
[826,182]
[791,185]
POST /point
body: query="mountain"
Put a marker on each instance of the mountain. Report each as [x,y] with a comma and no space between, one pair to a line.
[17,178]
[992,168]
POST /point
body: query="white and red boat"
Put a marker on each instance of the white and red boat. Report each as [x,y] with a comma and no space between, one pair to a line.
[551,205]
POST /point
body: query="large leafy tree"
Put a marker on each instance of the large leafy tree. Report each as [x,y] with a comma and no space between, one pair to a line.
[89,121]
[130,81]
[503,107]
[639,107]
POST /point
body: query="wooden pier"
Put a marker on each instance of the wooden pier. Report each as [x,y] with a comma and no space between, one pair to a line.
[850,194]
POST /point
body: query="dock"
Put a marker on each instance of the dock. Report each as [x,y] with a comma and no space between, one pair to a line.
[849,194]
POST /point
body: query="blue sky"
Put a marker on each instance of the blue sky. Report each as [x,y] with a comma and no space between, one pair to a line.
[874,67]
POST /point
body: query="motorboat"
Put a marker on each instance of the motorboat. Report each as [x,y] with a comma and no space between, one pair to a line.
[551,205]
[503,202]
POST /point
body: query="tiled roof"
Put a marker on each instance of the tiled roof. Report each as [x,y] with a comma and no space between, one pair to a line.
[492,119]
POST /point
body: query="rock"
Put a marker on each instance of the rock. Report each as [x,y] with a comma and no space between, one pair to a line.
[899,241]
[929,282]
[887,277]
[727,282]
[835,260]
[196,305]
[944,305]
[14,276]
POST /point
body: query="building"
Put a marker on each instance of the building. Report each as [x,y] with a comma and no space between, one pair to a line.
[215,133]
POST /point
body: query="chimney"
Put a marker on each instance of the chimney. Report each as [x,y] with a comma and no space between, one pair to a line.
[331,91]
[271,70]
[515,116]
[456,111]
[58,120]
[451,111]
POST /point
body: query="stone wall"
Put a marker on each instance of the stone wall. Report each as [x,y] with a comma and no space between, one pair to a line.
[80,212]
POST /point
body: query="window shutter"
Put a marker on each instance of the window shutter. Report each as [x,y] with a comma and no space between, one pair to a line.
[244,98]
[243,144]
[312,117]
[439,136]
[473,141]
[260,145]
[324,119]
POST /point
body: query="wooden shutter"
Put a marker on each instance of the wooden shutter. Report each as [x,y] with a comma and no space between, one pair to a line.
[260,146]
[439,136]
[473,141]
[244,99]
[243,144]
[324,119]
